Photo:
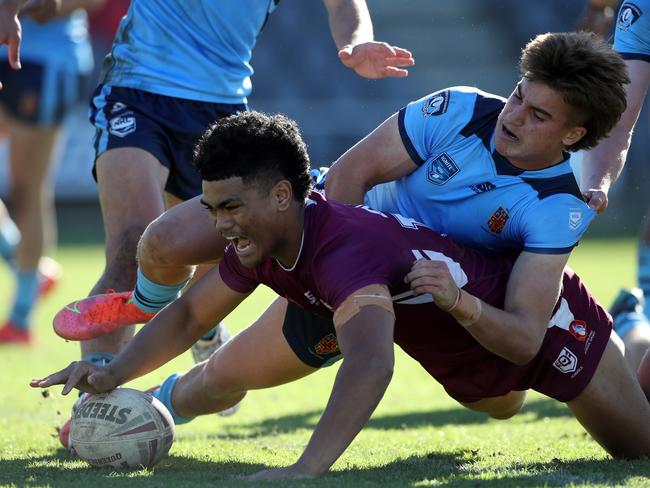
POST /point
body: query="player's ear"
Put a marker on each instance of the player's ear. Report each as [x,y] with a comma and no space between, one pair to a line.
[282,194]
[573,136]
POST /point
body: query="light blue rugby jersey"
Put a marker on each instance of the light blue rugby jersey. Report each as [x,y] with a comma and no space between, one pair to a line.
[61,43]
[191,49]
[632,35]
[467,190]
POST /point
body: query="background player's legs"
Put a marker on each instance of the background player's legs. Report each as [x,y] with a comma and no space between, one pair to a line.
[613,409]
[258,357]
[501,407]
[131,183]
[30,157]
[31,150]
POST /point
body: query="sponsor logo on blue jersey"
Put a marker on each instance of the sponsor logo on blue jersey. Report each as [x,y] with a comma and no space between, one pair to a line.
[483,187]
[628,15]
[122,125]
[441,169]
[498,220]
[436,104]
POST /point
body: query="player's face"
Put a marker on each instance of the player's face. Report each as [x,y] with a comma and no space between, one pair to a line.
[535,126]
[244,216]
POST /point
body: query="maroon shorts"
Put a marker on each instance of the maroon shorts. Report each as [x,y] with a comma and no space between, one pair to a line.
[572,348]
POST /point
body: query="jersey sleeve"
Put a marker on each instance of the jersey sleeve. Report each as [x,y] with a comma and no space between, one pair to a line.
[632,34]
[556,225]
[235,275]
[348,266]
[431,121]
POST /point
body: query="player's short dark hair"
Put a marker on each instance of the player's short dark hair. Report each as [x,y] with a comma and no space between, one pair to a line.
[587,72]
[256,147]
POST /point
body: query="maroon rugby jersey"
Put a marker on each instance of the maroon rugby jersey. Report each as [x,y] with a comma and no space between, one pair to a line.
[346,248]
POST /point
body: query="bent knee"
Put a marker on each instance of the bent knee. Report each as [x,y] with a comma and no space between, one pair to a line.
[158,243]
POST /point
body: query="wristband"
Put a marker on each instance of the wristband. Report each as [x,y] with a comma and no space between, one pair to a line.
[467,309]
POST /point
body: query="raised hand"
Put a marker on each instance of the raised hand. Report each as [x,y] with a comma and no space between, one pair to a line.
[375,60]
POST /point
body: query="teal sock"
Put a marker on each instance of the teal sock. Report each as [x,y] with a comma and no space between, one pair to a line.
[643,273]
[164,394]
[152,297]
[26,294]
[9,239]
[98,358]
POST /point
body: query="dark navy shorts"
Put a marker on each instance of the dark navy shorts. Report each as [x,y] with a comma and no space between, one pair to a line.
[40,93]
[166,127]
[570,353]
[311,337]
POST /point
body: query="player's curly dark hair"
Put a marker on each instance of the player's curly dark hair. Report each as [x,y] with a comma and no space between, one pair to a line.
[587,72]
[256,147]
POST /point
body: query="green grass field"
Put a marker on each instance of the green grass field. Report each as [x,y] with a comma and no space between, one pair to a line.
[417,437]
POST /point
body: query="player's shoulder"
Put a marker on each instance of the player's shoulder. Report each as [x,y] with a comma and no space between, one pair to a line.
[461,109]
[632,35]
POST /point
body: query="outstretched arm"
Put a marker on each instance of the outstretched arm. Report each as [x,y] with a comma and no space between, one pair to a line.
[377,158]
[171,332]
[366,341]
[351,29]
[602,165]
[514,333]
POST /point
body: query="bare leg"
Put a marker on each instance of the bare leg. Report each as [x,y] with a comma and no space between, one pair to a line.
[237,367]
[31,190]
[501,407]
[131,183]
[180,238]
[613,409]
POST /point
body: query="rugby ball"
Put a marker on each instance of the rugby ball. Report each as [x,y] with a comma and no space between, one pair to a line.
[122,429]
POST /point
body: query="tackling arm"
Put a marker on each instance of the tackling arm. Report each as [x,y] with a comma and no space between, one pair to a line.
[377,158]
[514,333]
[602,165]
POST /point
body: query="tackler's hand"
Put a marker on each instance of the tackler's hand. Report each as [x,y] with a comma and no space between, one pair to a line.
[434,278]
